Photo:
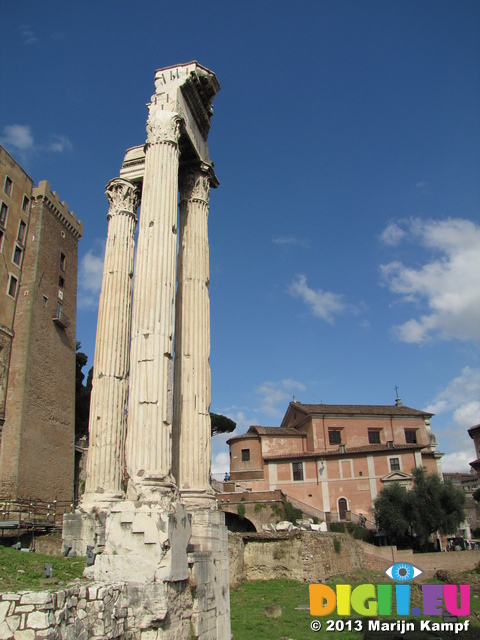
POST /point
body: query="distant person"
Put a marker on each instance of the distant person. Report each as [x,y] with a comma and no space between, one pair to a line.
[227,477]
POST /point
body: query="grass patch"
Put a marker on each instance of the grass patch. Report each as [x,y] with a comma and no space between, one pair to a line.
[249,621]
[24,571]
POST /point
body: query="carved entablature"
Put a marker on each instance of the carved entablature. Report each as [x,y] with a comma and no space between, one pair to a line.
[123,197]
[194,184]
[199,86]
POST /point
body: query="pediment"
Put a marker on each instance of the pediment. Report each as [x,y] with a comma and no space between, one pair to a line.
[398,476]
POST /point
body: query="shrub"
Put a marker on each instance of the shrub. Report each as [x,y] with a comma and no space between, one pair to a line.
[241,511]
[276,511]
[259,506]
[291,513]
[337,545]
[337,527]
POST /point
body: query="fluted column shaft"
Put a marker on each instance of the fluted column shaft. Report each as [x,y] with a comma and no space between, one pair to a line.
[108,405]
[148,446]
[192,395]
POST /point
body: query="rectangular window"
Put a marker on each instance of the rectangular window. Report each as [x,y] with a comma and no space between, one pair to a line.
[25,204]
[394,464]
[12,286]
[21,231]
[3,213]
[59,311]
[297,470]
[62,261]
[17,255]
[411,436]
[335,437]
[245,455]
[374,437]
[8,186]
[2,236]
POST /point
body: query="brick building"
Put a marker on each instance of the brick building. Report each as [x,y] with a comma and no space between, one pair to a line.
[37,449]
[15,197]
[333,460]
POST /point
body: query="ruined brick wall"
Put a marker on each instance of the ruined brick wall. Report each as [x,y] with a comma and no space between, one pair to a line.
[306,556]
[309,556]
[37,456]
[380,558]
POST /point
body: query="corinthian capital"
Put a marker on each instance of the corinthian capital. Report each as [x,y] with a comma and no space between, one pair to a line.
[194,184]
[123,197]
[163,126]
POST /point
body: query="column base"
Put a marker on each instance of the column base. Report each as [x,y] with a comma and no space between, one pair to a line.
[93,502]
[151,488]
[199,499]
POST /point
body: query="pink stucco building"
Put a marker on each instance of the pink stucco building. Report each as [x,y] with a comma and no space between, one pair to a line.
[335,459]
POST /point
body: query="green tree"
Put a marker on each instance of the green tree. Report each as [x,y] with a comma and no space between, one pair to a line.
[393,512]
[431,505]
[221,424]
[82,394]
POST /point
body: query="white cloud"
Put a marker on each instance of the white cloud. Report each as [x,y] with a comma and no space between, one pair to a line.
[28,35]
[447,286]
[458,462]
[274,394]
[461,396]
[18,136]
[220,463]
[294,241]
[59,144]
[392,235]
[323,304]
[90,275]
[461,399]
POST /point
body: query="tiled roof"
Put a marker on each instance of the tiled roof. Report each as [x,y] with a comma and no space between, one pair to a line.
[255,431]
[359,409]
[276,431]
[368,448]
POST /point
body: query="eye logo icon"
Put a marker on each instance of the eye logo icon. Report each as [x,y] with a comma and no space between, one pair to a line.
[403,572]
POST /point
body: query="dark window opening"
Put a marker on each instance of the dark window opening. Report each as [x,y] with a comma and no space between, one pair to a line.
[61,282]
[245,455]
[3,213]
[17,256]
[410,436]
[12,286]
[394,464]
[25,204]
[335,437]
[21,231]
[297,469]
[62,261]
[8,186]
[374,437]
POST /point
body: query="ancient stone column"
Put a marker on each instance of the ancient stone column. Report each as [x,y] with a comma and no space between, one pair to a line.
[108,406]
[148,446]
[192,395]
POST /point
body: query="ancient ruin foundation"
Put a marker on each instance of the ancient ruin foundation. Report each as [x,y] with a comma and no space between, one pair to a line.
[148,508]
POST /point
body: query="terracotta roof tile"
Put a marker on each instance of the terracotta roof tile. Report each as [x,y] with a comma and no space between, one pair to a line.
[368,448]
[359,409]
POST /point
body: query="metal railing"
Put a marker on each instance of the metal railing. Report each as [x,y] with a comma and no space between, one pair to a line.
[33,514]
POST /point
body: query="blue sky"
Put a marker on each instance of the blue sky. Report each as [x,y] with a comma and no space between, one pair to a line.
[345,234]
